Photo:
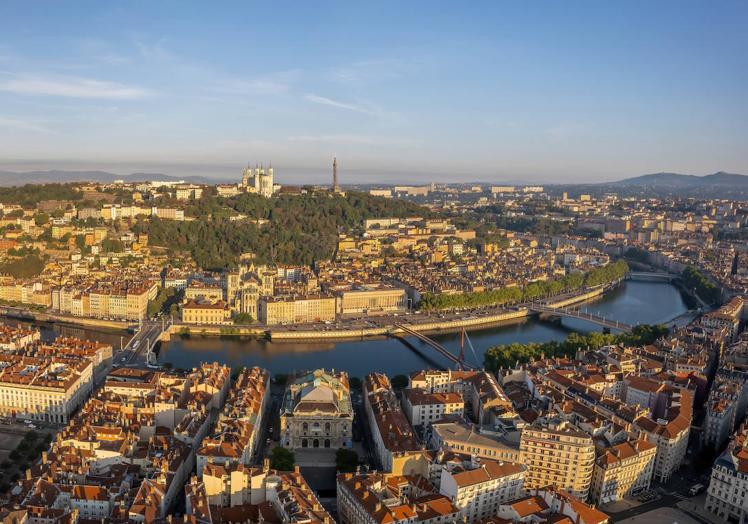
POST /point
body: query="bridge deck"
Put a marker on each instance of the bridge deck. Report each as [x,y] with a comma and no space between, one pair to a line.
[581,315]
[435,345]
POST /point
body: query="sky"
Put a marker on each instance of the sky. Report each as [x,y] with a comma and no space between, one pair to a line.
[543,91]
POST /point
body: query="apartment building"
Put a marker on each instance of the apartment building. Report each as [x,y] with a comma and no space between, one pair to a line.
[370,300]
[394,439]
[15,338]
[295,310]
[668,427]
[728,487]
[726,317]
[723,408]
[466,438]
[622,470]
[422,408]
[237,433]
[199,291]
[126,299]
[45,389]
[378,498]
[478,488]
[241,494]
[548,505]
[485,401]
[557,453]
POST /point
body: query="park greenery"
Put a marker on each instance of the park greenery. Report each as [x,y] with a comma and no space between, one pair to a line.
[346,460]
[166,301]
[694,280]
[243,319]
[27,452]
[508,355]
[299,229]
[399,381]
[30,195]
[282,459]
[495,297]
[27,266]
[637,254]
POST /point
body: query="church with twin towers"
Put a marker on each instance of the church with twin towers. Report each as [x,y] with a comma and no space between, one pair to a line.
[260,180]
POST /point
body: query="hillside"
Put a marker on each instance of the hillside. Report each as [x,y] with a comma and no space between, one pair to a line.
[678,181]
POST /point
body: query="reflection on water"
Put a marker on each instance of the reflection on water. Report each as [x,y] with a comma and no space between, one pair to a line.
[632,303]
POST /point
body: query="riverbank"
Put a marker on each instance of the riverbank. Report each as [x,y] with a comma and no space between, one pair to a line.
[470,320]
[49,318]
[465,320]
[632,302]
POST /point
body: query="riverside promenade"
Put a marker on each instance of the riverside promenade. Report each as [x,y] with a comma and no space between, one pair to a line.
[431,323]
[356,329]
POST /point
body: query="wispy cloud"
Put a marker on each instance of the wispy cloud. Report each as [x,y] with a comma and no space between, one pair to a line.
[153,50]
[371,71]
[348,106]
[354,139]
[72,87]
[98,50]
[270,84]
[22,125]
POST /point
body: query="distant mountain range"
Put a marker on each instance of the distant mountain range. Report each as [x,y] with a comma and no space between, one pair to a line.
[19,178]
[717,185]
[676,181]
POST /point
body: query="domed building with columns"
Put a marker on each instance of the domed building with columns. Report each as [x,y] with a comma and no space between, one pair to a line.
[317,412]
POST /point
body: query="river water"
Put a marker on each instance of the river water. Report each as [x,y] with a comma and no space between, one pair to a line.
[632,303]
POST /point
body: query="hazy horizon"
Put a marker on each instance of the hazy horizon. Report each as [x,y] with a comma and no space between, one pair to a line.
[550,92]
[299,175]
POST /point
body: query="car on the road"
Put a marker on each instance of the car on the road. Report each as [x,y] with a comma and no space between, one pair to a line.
[696,489]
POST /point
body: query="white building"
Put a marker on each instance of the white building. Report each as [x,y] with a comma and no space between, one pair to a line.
[478,489]
[422,408]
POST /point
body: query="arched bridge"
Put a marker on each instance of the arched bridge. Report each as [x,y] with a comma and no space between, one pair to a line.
[433,344]
[650,276]
[581,315]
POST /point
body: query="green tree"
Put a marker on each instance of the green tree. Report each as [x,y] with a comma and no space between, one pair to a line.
[25,267]
[282,459]
[41,218]
[346,460]
[399,381]
[508,355]
[243,319]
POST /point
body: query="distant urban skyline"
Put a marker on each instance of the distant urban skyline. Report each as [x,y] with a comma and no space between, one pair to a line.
[490,91]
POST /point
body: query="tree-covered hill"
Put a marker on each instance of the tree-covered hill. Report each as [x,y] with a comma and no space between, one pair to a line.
[300,229]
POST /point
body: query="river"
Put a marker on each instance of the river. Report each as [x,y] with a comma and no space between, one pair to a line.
[632,303]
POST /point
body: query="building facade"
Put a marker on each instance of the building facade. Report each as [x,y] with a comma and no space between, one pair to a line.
[317,411]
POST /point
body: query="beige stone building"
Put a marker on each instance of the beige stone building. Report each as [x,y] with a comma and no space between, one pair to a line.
[317,412]
[464,438]
[294,310]
[559,454]
[46,389]
[205,312]
[622,471]
[371,300]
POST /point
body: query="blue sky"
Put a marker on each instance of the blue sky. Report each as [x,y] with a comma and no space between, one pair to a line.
[551,91]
